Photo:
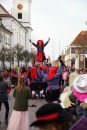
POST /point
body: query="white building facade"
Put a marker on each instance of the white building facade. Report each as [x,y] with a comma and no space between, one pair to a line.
[18,30]
[21,10]
[5,42]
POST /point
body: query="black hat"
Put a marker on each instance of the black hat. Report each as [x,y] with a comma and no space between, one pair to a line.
[51,112]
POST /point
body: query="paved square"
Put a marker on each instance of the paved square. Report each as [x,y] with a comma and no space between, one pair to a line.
[32,110]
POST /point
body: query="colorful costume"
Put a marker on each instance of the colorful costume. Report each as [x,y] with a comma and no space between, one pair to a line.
[40,50]
[34,79]
[53,79]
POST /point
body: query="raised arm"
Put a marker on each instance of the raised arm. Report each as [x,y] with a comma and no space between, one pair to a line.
[33,43]
[47,42]
[44,75]
[61,67]
[60,71]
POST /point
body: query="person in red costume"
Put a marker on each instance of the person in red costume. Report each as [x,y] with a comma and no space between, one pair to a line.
[40,49]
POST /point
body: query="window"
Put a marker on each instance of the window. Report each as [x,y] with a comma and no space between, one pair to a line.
[73,50]
[19,15]
[76,51]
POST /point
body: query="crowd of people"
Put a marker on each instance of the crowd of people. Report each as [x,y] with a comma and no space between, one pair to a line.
[63,88]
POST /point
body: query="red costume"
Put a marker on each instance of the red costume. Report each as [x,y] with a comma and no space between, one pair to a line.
[40,50]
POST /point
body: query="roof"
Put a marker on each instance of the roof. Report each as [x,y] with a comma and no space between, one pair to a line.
[10,16]
[80,40]
[5,15]
[4,9]
[2,26]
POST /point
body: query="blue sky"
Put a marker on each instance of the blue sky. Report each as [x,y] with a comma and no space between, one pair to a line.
[61,20]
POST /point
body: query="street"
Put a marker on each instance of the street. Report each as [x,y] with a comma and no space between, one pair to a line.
[37,102]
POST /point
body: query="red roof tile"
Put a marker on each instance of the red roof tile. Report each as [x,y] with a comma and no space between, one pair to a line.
[81,39]
[5,15]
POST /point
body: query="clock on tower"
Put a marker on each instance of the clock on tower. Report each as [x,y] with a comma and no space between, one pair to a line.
[19,6]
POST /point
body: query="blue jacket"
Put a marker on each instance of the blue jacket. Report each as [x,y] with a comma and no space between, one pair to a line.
[47,70]
[55,81]
[40,49]
[3,91]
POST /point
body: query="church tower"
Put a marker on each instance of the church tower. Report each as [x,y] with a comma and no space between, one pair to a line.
[21,10]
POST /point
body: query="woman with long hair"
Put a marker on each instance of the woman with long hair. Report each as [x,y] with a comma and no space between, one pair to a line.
[19,119]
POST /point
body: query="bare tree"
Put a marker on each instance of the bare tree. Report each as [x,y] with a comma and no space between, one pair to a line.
[27,56]
[17,52]
[3,55]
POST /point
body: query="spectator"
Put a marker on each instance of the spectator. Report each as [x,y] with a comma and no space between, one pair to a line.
[79,94]
[52,116]
[65,75]
[3,97]
[72,76]
[19,119]
[68,90]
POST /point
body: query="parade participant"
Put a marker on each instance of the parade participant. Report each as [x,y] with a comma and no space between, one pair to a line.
[14,77]
[52,116]
[29,77]
[43,83]
[33,62]
[4,74]
[23,70]
[25,75]
[53,79]
[19,119]
[40,49]
[46,68]
[3,97]
[35,80]
[47,62]
[8,80]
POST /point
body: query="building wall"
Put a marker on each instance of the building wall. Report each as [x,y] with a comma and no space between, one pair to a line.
[5,37]
[26,18]
[76,54]
[26,10]
[19,33]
